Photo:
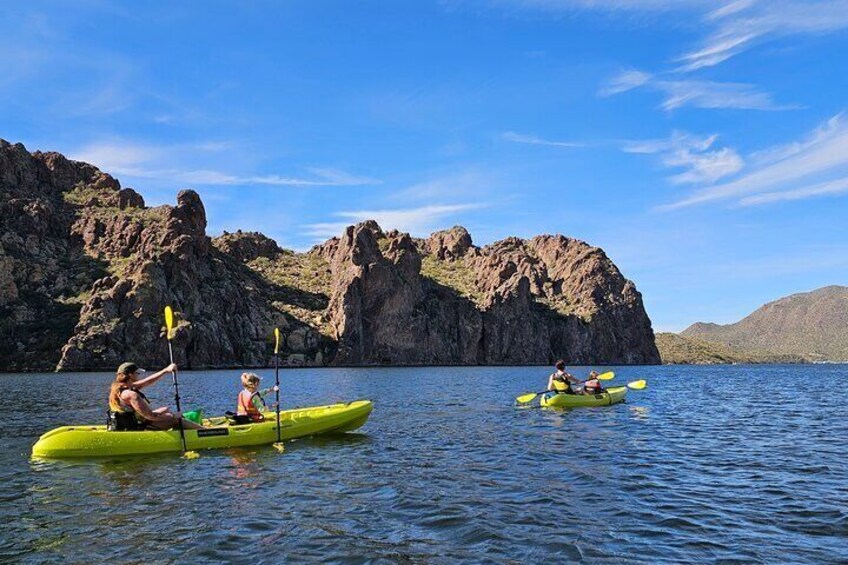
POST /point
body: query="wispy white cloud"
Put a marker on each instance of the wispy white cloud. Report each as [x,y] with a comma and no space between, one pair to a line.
[678,93]
[832,188]
[701,161]
[603,5]
[626,80]
[154,162]
[741,24]
[533,140]
[462,185]
[419,221]
[731,26]
[814,166]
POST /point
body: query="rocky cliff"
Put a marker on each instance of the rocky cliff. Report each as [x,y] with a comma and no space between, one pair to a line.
[86,269]
[445,301]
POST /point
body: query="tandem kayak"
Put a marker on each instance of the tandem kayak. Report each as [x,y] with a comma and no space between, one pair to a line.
[612,395]
[97,441]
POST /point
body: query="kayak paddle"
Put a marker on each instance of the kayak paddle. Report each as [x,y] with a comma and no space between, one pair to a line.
[169,324]
[279,445]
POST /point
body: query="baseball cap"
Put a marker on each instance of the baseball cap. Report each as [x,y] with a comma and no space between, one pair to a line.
[129,367]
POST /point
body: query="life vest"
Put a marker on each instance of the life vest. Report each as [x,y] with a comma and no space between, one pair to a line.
[561,384]
[593,385]
[121,416]
[246,407]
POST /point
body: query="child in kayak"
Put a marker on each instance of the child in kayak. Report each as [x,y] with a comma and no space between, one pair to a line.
[251,401]
[561,380]
[592,385]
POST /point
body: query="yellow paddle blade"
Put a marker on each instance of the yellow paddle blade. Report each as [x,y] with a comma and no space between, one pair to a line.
[277,338]
[191,455]
[525,398]
[169,321]
[637,385]
[606,376]
[279,447]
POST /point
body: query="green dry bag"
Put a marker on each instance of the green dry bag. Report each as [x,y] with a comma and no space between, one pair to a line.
[195,416]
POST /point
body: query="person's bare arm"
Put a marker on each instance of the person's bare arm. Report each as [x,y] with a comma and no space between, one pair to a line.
[141,407]
[155,376]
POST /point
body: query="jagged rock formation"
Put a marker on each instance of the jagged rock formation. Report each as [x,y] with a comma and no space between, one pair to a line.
[513,302]
[86,269]
[812,325]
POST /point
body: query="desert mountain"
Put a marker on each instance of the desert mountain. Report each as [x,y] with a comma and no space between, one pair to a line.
[813,325]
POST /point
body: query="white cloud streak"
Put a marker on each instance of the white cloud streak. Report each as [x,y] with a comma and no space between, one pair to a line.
[701,161]
[744,23]
[533,140]
[731,26]
[419,221]
[145,162]
[815,166]
[832,188]
[695,93]
[626,80]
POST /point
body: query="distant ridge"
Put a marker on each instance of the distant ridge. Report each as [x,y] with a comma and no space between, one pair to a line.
[676,349]
[813,325]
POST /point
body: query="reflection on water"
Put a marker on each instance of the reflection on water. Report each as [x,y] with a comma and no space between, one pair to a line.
[448,469]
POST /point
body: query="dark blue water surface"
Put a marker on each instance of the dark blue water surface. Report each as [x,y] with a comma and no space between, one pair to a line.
[709,464]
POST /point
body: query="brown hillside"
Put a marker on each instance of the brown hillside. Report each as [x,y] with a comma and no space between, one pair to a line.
[810,324]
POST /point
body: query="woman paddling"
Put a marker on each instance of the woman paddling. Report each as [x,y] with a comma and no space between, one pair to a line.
[129,408]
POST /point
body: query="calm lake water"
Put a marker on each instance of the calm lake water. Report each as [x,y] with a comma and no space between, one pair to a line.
[730,464]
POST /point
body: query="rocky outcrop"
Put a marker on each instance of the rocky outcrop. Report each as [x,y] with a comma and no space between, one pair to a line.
[529,302]
[86,269]
[247,246]
[44,273]
[448,245]
[226,311]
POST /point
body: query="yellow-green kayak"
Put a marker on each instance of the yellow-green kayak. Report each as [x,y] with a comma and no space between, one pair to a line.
[97,441]
[612,395]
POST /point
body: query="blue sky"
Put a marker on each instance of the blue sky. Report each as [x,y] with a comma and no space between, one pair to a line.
[702,144]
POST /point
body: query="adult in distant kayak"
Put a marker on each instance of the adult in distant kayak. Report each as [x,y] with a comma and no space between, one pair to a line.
[129,409]
[561,380]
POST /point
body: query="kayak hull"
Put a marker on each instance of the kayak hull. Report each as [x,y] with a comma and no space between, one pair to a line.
[612,395]
[97,441]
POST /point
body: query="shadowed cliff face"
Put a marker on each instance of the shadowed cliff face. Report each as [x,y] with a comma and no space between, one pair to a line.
[512,302]
[86,270]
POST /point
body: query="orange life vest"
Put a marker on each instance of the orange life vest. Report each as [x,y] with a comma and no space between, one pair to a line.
[593,385]
[246,407]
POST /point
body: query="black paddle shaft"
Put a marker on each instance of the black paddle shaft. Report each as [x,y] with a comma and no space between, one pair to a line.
[177,397]
[277,379]
[174,375]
